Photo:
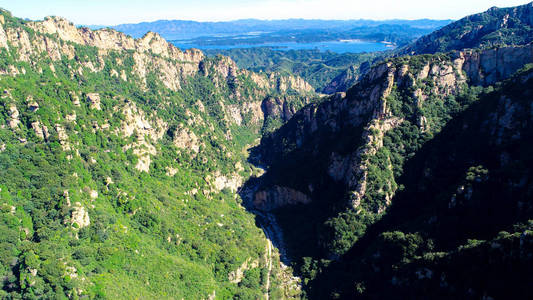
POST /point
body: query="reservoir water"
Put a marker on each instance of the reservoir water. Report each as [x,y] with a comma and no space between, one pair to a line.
[345,46]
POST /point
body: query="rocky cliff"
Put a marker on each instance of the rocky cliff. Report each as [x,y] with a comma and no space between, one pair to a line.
[349,151]
[123,155]
[464,209]
[141,61]
[57,37]
[346,79]
[367,101]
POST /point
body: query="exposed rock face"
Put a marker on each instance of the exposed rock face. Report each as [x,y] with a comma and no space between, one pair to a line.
[33,106]
[220,182]
[92,113]
[171,65]
[171,171]
[3,38]
[75,99]
[278,196]
[14,116]
[234,113]
[346,79]
[286,83]
[254,109]
[113,40]
[93,194]
[71,117]
[185,139]
[278,106]
[80,216]
[366,106]
[489,66]
[63,137]
[135,121]
[356,171]
[94,101]
[367,98]
[38,129]
[149,55]
[237,275]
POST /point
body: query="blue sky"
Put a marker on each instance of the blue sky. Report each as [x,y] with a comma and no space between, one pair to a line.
[111,12]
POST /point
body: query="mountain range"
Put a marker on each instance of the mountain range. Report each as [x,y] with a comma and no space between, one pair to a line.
[180,29]
[131,169]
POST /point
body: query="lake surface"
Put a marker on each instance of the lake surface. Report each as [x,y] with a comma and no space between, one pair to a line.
[347,46]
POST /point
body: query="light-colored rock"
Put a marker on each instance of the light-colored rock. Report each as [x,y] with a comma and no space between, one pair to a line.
[80,216]
[136,121]
[171,171]
[221,182]
[94,100]
[71,117]
[123,75]
[237,275]
[254,110]
[33,106]
[71,272]
[62,136]
[184,138]
[67,197]
[38,129]
[75,99]
[234,113]
[93,194]
[3,38]
[14,116]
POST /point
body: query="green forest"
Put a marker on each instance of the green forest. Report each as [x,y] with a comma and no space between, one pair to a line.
[131,169]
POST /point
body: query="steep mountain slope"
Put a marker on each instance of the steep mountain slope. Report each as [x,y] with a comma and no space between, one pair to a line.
[347,78]
[122,161]
[334,169]
[495,27]
[119,163]
[462,226]
[316,67]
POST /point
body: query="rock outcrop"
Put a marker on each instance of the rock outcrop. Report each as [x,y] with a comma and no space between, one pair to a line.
[278,196]
[346,79]
[493,65]
[151,53]
[370,106]
[94,101]
[147,133]
[279,107]
[80,216]
[139,61]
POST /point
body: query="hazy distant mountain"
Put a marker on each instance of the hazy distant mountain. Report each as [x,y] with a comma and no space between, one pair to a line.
[178,29]
[132,169]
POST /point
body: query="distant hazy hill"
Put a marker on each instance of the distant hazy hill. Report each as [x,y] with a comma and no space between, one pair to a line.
[495,27]
[177,29]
